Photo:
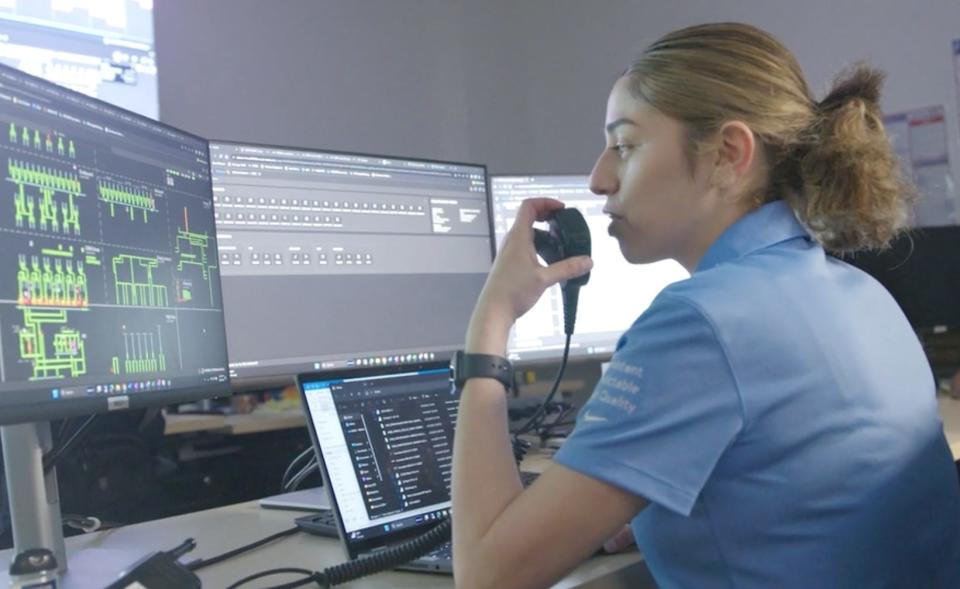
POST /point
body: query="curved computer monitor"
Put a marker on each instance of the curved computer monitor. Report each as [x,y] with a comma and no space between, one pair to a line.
[109,274]
[332,260]
[618,292]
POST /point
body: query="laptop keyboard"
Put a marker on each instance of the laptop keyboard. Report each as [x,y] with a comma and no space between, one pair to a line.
[442,552]
[323,523]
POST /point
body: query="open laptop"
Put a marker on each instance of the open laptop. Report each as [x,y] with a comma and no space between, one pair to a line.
[384,439]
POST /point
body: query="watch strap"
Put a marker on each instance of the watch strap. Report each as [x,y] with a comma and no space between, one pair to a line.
[466,366]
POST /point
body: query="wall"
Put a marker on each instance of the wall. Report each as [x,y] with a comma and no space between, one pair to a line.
[520,86]
[569,53]
[379,75]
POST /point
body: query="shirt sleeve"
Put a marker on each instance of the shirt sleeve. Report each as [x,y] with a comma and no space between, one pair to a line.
[663,413]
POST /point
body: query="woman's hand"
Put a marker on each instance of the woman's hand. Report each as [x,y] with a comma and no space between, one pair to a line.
[517,280]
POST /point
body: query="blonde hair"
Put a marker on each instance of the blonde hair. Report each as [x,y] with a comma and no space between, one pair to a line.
[830,160]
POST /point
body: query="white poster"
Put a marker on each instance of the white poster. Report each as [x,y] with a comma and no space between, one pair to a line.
[956,71]
[920,139]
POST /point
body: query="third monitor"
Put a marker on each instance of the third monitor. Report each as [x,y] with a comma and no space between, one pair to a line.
[618,292]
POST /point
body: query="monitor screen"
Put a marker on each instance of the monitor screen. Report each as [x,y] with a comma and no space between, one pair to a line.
[333,260]
[921,269]
[110,286]
[101,48]
[617,293]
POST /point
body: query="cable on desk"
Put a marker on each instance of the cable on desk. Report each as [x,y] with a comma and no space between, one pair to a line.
[361,567]
[203,563]
[294,464]
[284,571]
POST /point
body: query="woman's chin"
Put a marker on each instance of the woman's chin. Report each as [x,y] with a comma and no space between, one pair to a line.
[639,256]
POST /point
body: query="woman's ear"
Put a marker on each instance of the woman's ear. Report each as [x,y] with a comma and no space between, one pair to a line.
[736,151]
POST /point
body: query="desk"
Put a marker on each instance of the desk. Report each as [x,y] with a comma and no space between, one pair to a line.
[950,414]
[95,558]
[176,423]
[263,421]
[239,424]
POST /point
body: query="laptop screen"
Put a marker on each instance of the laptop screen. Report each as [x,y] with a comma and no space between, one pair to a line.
[386,442]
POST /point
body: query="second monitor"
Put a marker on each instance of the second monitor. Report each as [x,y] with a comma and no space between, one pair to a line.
[330,260]
[618,292]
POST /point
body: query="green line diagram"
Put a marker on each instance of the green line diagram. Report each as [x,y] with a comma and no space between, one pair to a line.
[143,352]
[69,357]
[134,279]
[191,250]
[133,199]
[53,279]
[53,216]
[46,141]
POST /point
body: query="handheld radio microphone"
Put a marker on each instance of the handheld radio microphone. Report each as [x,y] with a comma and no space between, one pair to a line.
[568,236]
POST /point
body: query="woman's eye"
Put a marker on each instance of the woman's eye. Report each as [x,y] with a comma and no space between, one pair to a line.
[622,149]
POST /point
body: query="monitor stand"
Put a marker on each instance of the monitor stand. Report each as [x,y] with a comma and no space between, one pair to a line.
[34,498]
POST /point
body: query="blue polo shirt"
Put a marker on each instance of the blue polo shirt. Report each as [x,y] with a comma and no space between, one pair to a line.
[778,413]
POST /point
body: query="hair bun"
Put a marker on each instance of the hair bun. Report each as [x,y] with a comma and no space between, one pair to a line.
[857,82]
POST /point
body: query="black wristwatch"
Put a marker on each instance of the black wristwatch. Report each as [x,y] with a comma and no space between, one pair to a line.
[464,366]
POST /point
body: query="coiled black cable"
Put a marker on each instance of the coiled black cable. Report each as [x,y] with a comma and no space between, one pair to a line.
[361,567]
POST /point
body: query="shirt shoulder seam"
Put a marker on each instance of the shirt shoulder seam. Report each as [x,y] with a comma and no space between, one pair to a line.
[716,336]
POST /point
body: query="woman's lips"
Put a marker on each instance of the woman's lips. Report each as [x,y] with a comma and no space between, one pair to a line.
[614,220]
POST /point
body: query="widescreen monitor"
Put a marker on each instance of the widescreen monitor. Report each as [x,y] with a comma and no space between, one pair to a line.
[332,260]
[109,278]
[101,48]
[617,293]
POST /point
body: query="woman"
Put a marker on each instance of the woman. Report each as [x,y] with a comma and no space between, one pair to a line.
[771,421]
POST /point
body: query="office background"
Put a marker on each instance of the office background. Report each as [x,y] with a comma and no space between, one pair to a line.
[520,86]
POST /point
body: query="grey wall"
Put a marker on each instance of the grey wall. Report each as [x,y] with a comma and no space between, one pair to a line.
[519,85]
[372,75]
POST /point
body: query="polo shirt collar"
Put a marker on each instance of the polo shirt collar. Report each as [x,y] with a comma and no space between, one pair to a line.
[772,223]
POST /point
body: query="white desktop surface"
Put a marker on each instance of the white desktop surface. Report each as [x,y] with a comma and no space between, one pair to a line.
[312,499]
[95,559]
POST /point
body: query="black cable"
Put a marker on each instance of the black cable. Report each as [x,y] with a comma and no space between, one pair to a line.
[293,464]
[387,559]
[271,572]
[565,410]
[536,417]
[361,567]
[51,459]
[313,578]
[203,563]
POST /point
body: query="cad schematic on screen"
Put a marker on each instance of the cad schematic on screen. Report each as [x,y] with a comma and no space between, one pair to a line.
[110,259]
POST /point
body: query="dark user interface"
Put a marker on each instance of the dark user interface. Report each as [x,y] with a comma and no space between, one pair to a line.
[400,442]
[109,270]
